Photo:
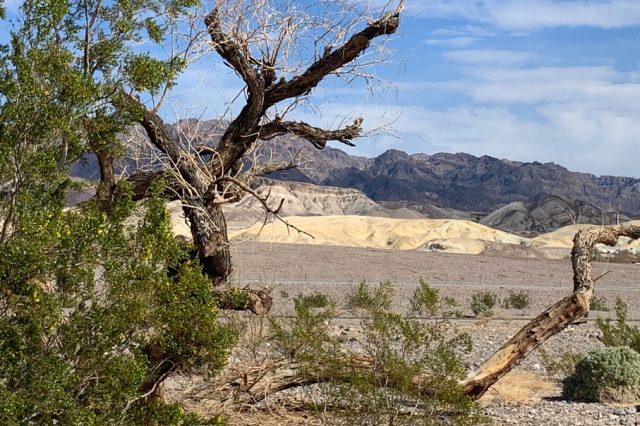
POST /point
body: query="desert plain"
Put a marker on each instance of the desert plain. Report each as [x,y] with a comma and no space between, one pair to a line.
[466,258]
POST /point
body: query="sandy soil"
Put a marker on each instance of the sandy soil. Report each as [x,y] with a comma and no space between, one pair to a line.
[291,269]
[529,395]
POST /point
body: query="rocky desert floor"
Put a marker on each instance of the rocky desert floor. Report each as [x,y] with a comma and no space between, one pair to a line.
[529,395]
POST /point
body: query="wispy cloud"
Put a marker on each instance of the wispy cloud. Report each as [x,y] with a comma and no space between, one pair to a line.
[535,14]
[452,42]
[489,56]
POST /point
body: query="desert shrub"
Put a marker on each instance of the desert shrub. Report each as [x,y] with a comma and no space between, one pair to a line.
[597,255]
[619,333]
[516,300]
[482,303]
[372,380]
[598,304]
[564,365]
[610,374]
[82,347]
[315,300]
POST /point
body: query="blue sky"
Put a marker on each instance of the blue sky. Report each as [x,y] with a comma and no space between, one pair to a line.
[535,80]
[529,80]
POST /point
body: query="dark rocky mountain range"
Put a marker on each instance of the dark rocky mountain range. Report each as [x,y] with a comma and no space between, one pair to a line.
[442,184]
[464,182]
[547,214]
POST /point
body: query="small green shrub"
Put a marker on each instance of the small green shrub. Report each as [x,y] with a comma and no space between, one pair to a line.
[610,374]
[597,255]
[315,300]
[372,380]
[619,333]
[565,365]
[482,303]
[516,300]
[598,304]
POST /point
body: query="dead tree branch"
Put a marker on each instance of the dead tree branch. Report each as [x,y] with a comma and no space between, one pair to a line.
[333,60]
[556,318]
[317,136]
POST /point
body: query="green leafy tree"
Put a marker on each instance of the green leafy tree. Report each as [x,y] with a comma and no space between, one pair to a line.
[99,303]
[93,300]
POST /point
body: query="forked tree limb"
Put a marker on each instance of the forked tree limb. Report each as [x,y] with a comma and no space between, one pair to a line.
[317,136]
[555,319]
[334,60]
[244,130]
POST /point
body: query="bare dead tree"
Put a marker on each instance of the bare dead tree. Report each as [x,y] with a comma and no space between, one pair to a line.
[263,42]
[556,318]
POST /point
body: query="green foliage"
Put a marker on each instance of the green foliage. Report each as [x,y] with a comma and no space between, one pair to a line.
[90,319]
[610,374]
[565,365]
[161,414]
[150,74]
[598,304]
[90,316]
[482,303]
[516,300]
[596,255]
[315,300]
[372,380]
[619,333]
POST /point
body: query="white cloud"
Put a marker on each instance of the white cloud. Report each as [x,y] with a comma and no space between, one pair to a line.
[489,56]
[466,30]
[452,42]
[528,15]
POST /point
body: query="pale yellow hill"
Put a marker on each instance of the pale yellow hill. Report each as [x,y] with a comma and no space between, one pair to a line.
[563,238]
[377,232]
[448,235]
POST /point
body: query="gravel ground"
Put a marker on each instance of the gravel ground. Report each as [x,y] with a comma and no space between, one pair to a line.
[530,395]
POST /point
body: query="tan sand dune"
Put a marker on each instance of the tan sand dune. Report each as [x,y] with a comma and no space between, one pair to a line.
[446,235]
[563,238]
[376,232]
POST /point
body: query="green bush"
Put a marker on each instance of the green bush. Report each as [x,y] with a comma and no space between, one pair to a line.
[619,333]
[482,303]
[610,374]
[315,300]
[78,347]
[598,304]
[565,365]
[516,300]
[371,379]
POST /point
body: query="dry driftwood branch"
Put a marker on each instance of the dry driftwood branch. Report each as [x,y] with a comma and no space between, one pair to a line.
[556,318]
